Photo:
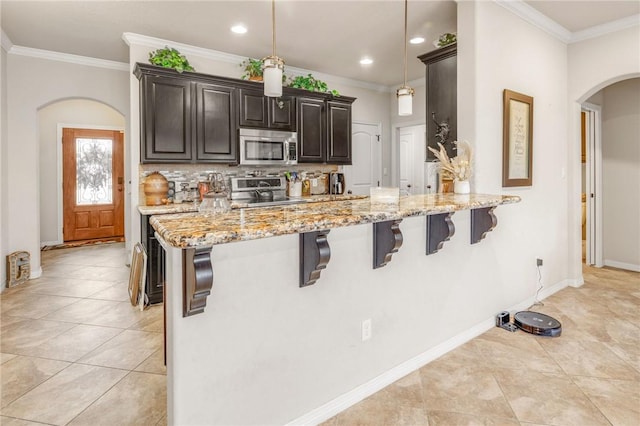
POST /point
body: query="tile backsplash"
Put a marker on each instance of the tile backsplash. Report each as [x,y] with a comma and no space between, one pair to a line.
[191,174]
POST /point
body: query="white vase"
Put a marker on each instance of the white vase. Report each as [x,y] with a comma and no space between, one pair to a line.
[461,187]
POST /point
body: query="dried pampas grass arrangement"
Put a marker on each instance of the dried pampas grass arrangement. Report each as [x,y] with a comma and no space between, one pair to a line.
[459,167]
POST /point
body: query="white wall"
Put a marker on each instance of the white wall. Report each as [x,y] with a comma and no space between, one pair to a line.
[4,202]
[593,64]
[621,174]
[72,112]
[32,84]
[536,66]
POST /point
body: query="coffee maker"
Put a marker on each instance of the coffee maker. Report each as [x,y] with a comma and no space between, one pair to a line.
[336,183]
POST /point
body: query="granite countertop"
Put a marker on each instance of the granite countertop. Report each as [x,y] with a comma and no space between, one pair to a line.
[191,207]
[184,230]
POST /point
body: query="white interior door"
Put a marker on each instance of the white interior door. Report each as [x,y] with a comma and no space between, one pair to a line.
[366,169]
[411,147]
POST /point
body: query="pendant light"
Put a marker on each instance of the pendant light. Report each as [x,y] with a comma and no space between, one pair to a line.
[273,66]
[405,93]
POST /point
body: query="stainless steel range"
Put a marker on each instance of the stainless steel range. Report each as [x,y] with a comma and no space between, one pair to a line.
[261,191]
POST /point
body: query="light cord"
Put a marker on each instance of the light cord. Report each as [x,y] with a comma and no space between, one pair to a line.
[273,25]
[405,43]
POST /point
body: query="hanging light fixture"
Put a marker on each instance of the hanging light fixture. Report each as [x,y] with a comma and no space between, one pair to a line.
[405,93]
[273,66]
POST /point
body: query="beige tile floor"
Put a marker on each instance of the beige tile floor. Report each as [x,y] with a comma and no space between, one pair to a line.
[588,376]
[73,351]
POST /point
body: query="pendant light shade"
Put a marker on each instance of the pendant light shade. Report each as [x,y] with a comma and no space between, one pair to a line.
[272,76]
[405,93]
[273,66]
[405,100]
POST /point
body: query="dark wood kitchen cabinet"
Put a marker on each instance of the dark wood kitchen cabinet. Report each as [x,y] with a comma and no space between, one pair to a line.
[311,130]
[194,118]
[338,132]
[257,110]
[155,277]
[216,136]
[324,130]
[184,120]
[442,88]
[165,119]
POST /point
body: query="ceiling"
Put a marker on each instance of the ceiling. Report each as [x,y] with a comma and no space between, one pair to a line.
[328,36]
[580,15]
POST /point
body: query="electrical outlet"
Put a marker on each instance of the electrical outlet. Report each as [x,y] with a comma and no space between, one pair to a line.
[366,329]
[538,262]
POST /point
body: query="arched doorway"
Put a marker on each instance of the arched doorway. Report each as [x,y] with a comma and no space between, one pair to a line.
[611,175]
[52,119]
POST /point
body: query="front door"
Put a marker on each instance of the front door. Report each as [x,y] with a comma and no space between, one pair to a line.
[93,184]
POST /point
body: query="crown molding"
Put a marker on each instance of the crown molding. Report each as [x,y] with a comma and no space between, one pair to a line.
[67,57]
[187,49]
[536,18]
[608,28]
[6,42]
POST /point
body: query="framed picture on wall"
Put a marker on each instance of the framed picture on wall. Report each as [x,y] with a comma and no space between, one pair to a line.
[517,148]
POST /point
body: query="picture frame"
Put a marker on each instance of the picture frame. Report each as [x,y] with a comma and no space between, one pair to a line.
[517,148]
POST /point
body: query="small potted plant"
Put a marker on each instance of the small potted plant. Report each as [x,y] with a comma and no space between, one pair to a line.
[170,58]
[309,82]
[252,69]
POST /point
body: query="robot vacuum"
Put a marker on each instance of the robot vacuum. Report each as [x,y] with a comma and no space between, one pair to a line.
[537,323]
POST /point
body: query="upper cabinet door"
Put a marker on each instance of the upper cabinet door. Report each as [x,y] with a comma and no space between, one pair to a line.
[165,120]
[282,113]
[311,131]
[338,132]
[216,128]
[253,109]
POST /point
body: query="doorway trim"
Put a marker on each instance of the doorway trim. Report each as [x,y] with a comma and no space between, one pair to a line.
[594,255]
[60,126]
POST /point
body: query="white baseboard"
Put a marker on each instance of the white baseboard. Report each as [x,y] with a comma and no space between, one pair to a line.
[341,403]
[35,273]
[576,282]
[622,265]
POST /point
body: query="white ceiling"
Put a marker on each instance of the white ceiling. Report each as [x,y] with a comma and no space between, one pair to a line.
[328,36]
[580,15]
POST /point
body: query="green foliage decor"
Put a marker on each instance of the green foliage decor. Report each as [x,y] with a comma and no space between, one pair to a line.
[446,39]
[170,58]
[309,82]
[252,68]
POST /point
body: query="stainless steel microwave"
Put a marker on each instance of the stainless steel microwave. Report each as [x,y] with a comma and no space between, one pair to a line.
[268,147]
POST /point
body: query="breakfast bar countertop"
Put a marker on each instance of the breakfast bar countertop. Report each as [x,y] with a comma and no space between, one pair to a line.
[189,230]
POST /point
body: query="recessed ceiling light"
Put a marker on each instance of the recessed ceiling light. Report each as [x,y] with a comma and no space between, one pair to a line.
[366,61]
[417,40]
[239,29]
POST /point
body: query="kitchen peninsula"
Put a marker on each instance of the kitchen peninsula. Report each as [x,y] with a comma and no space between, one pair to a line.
[247,345]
